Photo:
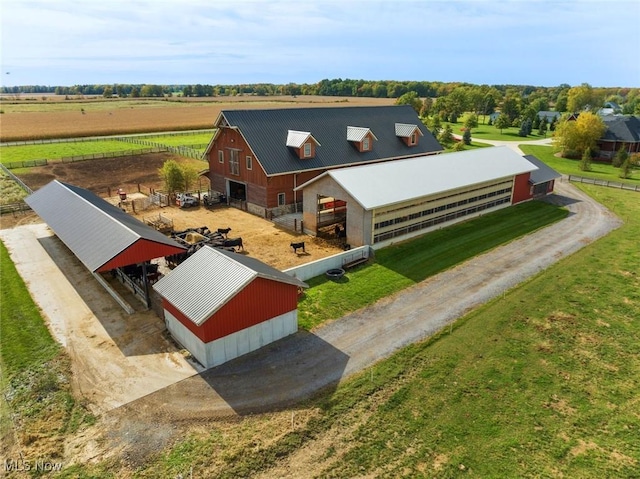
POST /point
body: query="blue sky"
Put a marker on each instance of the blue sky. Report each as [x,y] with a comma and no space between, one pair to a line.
[533,42]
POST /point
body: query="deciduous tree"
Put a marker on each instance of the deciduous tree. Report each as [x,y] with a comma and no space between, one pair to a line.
[410,98]
[620,157]
[502,122]
[172,175]
[573,138]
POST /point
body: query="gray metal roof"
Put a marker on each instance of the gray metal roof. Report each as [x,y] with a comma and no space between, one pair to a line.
[266,133]
[622,128]
[95,230]
[404,130]
[544,173]
[383,184]
[210,278]
[358,133]
[296,139]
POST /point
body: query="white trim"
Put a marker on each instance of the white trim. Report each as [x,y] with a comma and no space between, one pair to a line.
[236,344]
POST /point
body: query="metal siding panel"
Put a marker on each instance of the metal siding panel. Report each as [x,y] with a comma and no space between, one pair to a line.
[259,301]
[186,322]
[139,252]
[521,189]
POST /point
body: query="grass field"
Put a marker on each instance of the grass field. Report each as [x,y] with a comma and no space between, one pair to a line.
[400,266]
[490,132]
[54,151]
[183,140]
[36,374]
[599,170]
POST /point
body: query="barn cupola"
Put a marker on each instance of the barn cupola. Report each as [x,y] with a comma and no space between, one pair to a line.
[303,142]
[409,134]
[360,137]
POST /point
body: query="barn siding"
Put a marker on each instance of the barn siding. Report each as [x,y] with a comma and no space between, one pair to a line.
[227,139]
[259,301]
[139,252]
[236,344]
[521,188]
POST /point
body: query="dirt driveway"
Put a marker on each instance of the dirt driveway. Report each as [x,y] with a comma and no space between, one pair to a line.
[117,357]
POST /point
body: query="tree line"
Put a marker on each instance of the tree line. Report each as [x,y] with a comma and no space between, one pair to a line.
[460,97]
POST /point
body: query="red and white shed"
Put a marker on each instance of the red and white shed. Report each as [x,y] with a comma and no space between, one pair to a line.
[221,305]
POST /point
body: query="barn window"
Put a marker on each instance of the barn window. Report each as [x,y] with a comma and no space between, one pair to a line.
[413,139]
[233,162]
[366,143]
[220,156]
[249,163]
[281,199]
[307,150]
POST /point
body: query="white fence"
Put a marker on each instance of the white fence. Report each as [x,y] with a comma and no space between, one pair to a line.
[321,266]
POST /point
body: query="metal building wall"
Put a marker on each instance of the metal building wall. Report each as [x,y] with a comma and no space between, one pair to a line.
[234,345]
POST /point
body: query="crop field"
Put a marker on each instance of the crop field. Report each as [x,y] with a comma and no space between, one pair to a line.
[29,120]
[189,141]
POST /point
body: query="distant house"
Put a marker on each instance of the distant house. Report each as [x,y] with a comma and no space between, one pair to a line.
[494,116]
[549,115]
[258,157]
[622,132]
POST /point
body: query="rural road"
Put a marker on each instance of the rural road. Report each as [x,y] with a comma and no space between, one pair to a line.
[298,366]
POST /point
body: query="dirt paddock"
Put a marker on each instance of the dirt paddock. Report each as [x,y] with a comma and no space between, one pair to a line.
[262,239]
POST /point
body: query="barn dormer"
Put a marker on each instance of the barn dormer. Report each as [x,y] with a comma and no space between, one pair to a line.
[361,138]
[409,134]
[303,142]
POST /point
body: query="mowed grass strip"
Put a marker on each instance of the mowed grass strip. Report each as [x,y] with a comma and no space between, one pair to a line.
[599,170]
[56,151]
[402,265]
[182,140]
[36,374]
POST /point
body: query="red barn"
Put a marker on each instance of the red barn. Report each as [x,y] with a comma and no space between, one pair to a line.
[222,305]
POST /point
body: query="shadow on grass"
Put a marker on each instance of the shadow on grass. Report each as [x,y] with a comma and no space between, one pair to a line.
[439,250]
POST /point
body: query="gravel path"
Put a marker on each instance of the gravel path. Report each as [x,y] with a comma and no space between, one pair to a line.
[299,366]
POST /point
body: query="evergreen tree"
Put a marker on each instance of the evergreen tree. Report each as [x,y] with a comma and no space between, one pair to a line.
[446,135]
[542,128]
[466,137]
[625,169]
[523,129]
[620,157]
[459,146]
[585,162]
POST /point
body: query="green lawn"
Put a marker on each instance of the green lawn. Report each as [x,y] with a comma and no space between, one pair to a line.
[490,132]
[599,170]
[182,140]
[36,372]
[53,151]
[405,264]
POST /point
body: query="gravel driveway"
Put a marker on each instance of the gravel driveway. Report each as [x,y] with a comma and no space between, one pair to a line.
[298,366]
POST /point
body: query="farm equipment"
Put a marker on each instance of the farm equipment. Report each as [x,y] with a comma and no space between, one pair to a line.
[195,238]
[161,223]
[186,200]
[214,200]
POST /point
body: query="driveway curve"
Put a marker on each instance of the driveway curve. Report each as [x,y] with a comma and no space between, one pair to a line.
[296,367]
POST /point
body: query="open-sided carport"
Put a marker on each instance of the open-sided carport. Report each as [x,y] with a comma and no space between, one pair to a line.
[102,236]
